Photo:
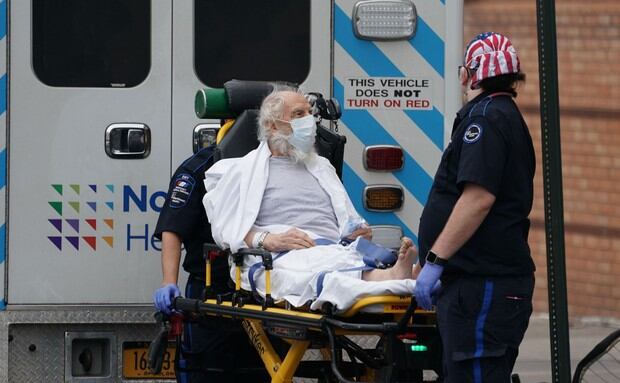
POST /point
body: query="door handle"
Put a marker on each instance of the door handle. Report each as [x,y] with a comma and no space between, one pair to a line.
[124,140]
[204,135]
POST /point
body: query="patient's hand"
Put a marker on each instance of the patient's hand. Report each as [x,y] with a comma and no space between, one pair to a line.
[364,231]
[292,239]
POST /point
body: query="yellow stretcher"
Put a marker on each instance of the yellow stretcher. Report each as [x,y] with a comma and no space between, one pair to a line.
[409,343]
[408,348]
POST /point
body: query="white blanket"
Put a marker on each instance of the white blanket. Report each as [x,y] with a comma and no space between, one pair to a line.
[235,190]
[330,273]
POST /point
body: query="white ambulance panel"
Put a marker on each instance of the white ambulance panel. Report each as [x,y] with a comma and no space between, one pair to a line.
[397,92]
[80,222]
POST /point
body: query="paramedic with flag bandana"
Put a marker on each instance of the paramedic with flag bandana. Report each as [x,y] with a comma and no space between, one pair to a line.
[473,231]
[218,345]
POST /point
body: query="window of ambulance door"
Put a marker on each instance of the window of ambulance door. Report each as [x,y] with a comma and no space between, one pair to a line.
[264,40]
[94,43]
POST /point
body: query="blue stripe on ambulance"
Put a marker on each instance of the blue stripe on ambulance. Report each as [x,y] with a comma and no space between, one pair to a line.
[429,45]
[376,64]
[3,161]
[2,19]
[431,123]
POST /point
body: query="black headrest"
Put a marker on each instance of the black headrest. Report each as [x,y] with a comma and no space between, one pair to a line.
[244,95]
[241,138]
[234,98]
[330,145]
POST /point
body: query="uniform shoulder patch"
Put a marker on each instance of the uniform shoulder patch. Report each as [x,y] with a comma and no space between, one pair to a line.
[472,133]
[182,189]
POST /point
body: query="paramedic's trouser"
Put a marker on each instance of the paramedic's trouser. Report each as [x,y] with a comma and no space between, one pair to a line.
[482,322]
[220,345]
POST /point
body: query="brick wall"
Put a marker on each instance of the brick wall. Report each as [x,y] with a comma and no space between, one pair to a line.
[589,73]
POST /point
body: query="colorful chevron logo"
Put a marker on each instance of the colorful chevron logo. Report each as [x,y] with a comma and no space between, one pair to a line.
[77,221]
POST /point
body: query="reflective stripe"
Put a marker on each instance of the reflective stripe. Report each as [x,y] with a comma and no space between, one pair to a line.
[486,304]
[477,371]
[430,46]
[482,316]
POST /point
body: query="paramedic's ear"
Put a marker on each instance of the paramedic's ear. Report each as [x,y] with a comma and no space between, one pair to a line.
[463,76]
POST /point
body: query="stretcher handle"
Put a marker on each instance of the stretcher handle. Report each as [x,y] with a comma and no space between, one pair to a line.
[268,265]
[210,251]
[264,254]
[402,323]
[158,346]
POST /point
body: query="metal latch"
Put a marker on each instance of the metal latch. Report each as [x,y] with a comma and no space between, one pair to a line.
[204,135]
[128,141]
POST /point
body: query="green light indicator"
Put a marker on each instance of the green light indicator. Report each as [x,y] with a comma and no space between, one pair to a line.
[419,348]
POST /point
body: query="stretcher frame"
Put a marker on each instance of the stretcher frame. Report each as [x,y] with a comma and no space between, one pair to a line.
[399,324]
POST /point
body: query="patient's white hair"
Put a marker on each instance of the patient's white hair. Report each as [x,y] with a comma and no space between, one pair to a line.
[272,110]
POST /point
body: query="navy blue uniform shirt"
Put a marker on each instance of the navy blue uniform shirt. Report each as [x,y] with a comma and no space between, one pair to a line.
[183,212]
[491,147]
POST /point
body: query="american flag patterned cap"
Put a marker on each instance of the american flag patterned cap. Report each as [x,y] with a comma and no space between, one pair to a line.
[488,55]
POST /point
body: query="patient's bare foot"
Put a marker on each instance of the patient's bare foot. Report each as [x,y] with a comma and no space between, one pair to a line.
[407,255]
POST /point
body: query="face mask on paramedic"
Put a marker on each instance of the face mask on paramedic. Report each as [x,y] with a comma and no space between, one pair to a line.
[304,131]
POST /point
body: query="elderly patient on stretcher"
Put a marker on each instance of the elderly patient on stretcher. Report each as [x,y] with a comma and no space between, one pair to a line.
[285,198]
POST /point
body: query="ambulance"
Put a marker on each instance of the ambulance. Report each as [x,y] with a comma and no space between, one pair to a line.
[97,111]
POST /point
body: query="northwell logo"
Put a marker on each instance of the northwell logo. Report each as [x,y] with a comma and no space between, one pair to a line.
[79,223]
[99,217]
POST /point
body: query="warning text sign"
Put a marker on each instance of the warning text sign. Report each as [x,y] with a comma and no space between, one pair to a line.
[387,93]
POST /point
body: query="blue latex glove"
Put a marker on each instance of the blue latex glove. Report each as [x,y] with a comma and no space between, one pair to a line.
[163,296]
[427,284]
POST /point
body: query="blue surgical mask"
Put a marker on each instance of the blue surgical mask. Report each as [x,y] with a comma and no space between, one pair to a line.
[304,131]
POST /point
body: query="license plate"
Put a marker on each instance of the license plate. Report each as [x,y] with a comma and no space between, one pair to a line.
[135,362]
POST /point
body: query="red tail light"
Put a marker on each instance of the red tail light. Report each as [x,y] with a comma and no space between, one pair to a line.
[384,158]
